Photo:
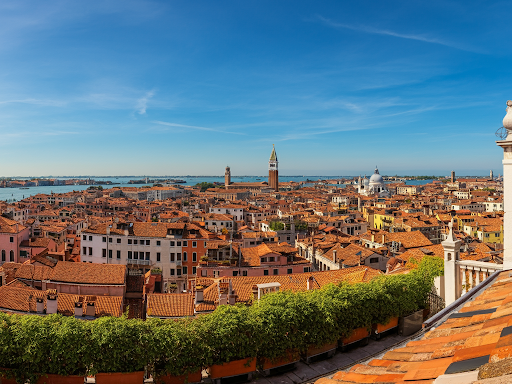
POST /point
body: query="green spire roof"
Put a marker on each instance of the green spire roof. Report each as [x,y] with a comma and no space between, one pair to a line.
[273,156]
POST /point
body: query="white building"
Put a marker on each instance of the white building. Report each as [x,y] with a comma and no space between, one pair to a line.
[375,186]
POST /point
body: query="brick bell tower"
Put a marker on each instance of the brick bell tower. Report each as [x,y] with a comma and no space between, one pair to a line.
[273,178]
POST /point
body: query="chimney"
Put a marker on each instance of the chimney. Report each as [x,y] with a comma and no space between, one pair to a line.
[199,294]
[51,303]
[91,309]
[79,309]
[223,297]
[40,305]
[334,254]
[310,283]
[231,295]
[383,238]
[373,238]
[255,292]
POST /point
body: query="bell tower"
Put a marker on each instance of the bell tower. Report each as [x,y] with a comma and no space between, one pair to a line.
[227,177]
[273,178]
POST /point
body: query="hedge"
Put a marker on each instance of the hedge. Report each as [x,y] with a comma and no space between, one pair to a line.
[272,327]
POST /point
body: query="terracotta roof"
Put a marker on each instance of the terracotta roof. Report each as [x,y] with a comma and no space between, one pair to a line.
[89,273]
[170,305]
[468,335]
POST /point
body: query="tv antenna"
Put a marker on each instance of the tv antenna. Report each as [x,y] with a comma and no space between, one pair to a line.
[502,133]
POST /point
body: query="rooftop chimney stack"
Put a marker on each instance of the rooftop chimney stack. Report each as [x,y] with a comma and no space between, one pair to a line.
[199,294]
[40,305]
[79,309]
[51,303]
[310,283]
[91,309]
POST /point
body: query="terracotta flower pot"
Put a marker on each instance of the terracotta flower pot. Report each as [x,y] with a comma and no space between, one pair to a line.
[58,379]
[183,379]
[379,328]
[356,335]
[313,350]
[233,368]
[120,377]
[290,357]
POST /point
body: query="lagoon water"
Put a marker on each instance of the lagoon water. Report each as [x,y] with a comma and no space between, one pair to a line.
[17,194]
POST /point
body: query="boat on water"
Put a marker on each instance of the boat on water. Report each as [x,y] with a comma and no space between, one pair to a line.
[23,187]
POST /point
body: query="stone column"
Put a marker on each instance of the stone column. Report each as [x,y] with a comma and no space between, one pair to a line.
[507,188]
[452,282]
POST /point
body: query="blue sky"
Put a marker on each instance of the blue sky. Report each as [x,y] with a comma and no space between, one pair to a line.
[188,87]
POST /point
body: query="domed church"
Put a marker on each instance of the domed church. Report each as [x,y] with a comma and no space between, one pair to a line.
[375,186]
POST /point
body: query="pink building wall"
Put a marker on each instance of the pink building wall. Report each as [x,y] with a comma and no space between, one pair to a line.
[8,246]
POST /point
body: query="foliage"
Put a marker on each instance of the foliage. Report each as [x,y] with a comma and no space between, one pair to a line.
[276,226]
[156,271]
[205,185]
[229,333]
[176,347]
[119,345]
[274,326]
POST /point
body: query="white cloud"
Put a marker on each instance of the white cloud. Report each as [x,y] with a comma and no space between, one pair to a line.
[142,103]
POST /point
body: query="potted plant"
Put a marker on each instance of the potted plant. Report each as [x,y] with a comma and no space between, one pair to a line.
[231,341]
[8,351]
[279,321]
[176,350]
[119,349]
[64,341]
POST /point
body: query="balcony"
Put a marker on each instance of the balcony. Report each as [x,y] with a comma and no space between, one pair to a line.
[139,262]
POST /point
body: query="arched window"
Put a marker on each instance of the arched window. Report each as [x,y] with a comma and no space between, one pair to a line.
[11,255]
[449,256]
[3,254]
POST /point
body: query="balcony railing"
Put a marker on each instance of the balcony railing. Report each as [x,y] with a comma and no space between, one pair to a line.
[474,272]
[139,262]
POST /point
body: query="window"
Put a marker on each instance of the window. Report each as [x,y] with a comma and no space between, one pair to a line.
[84,250]
[103,252]
[136,255]
[306,269]
[90,238]
[171,257]
[148,255]
[178,243]
[289,271]
[104,239]
[194,270]
[90,251]
[119,240]
[172,271]
[194,256]
[172,243]
[109,253]
[184,256]
[374,259]
[178,256]
[205,244]
[158,256]
[265,272]
[158,242]
[194,244]
[185,243]
[3,254]
[129,254]
[276,271]
[11,239]
[148,242]
[244,273]
[11,255]
[129,241]
[235,273]
[185,270]
[178,272]
[135,241]
[84,237]
[118,255]
[204,272]
[109,239]
[271,258]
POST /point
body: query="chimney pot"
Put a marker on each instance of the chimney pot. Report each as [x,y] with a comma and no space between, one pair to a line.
[91,309]
[51,303]
[79,309]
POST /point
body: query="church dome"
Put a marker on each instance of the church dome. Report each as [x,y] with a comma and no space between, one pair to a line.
[376,178]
